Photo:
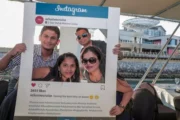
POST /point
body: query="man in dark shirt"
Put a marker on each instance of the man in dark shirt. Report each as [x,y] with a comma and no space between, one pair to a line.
[84,39]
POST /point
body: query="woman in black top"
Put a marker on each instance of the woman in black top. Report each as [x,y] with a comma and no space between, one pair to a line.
[93,61]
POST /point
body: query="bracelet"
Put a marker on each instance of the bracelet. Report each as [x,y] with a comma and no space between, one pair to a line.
[121,106]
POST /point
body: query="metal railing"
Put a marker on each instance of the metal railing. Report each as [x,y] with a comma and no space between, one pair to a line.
[148,70]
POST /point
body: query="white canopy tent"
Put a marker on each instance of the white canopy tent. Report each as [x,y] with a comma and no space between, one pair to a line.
[166,9]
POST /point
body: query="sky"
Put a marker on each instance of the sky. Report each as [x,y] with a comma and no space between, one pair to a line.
[11,24]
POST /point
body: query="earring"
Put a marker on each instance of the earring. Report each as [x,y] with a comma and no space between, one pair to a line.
[59,74]
[73,76]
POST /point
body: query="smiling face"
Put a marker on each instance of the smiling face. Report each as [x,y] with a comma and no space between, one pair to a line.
[67,68]
[83,37]
[90,62]
[49,39]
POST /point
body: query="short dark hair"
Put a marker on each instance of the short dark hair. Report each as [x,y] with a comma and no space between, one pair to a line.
[78,29]
[53,28]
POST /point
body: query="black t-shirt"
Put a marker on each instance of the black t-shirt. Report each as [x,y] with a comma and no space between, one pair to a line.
[100,44]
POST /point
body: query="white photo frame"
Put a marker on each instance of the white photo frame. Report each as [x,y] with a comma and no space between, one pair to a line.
[68,17]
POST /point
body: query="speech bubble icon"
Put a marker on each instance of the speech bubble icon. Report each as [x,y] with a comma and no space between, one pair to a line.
[40,85]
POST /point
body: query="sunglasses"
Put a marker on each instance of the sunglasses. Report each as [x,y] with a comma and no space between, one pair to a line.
[91,60]
[82,36]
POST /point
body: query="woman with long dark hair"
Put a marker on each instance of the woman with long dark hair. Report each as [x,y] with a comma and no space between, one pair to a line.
[93,61]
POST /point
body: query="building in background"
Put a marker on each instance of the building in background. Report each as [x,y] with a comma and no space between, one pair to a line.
[4,75]
[3,51]
[150,41]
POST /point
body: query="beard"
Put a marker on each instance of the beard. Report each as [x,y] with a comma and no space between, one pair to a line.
[48,49]
[88,43]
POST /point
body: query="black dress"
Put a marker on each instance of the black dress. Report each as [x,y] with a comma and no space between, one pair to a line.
[126,113]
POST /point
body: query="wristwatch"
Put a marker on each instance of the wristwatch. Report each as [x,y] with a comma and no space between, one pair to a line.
[121,106]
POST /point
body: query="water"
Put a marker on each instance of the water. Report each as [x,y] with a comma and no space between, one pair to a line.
[135,82]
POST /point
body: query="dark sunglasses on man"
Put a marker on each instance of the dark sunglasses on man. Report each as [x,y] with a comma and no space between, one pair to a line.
[91,60]
[82,36]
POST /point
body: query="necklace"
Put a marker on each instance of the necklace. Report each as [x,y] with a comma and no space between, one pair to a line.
[95,79]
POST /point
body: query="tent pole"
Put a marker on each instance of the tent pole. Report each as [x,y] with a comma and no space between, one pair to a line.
[159,73]
[166,9]
[102,3]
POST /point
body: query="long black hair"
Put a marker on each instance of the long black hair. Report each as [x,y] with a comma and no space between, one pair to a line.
[55,72]
[100,56]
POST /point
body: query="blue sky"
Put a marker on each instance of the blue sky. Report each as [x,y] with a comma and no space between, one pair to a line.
[11,23]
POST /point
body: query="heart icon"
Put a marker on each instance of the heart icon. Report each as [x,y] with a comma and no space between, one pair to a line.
[33,84]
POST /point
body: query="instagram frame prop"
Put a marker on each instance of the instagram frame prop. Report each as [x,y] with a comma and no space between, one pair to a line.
[61,100]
